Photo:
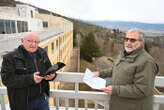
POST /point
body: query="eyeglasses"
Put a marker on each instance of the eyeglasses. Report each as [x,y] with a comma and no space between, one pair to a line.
[32,41]
[132,40]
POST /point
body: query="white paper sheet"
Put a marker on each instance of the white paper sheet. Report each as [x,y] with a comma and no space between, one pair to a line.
[93,82]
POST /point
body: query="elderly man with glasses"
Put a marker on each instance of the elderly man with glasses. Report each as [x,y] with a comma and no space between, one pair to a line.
[20,73]
[133,75]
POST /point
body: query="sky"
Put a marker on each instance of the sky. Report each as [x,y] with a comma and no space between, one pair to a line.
[148,11]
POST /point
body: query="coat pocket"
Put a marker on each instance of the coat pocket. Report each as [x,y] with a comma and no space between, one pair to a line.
[20,67]
[21,70]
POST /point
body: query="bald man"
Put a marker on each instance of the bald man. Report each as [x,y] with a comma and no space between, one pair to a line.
[20,73]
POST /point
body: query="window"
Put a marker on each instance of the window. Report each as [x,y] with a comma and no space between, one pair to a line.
[32,15]
[18,11]
[19,26]
[26,27]
[52,48]
[8,28]
[45,24]
[57,44]
[13,29]
[60,41]
[2,28]
[22,26]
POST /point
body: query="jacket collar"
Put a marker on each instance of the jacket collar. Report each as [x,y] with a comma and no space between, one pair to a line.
[131,57]
[21,53]
[133,54]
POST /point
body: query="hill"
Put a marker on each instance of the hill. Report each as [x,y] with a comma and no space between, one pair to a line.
[122,25]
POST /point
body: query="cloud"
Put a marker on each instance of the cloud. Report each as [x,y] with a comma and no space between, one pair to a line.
[73,8]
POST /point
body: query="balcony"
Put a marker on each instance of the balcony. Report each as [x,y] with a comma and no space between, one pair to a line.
[98,98]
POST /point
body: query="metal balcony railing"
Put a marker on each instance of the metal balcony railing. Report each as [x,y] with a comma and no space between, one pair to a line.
[99,98]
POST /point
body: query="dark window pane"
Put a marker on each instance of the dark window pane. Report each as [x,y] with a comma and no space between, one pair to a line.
[57,44]
[32,14]
[52,48]
[26,27]
[23,26]
[13,26]
[2,28]
[45,24]
[8,28]
[19,26]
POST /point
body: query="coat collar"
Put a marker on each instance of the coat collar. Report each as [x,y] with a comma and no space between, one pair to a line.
[21,53]
[131,57]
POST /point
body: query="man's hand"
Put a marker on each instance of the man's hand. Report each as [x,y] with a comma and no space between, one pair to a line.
[37,78]
[107,90]
[49,77]
[95,74]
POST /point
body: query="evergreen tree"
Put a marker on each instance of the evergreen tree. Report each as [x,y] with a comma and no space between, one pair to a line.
[106,39]
[146,47]
[89,47]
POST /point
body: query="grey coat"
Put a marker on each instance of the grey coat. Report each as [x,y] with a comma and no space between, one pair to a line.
[132,81]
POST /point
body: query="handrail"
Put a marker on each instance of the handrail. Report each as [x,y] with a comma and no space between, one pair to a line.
[78,77]
[98,97]
[159,81]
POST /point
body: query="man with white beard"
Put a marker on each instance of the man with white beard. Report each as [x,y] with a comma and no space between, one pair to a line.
[133,75]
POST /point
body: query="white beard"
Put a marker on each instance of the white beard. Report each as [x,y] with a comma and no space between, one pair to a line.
[130,48]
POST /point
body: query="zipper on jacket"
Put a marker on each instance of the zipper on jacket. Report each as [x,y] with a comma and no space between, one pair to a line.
[27,95]
[35,63]
[37,70]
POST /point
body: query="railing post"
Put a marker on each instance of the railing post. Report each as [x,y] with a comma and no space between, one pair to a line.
[106,105]
[86,104]
[76,93]
[66,104]
[3,107]
[156,106]
[76,104]
[57,103]
[96,105]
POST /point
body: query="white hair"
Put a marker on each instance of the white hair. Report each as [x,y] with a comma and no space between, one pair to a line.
[140,32]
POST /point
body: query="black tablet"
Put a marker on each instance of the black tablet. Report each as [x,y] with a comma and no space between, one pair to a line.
[53,69]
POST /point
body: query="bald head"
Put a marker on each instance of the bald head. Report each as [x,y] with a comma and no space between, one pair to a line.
[30,35]
[30,42]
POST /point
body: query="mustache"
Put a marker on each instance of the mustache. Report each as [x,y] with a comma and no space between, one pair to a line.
[31,46]
[128,45]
